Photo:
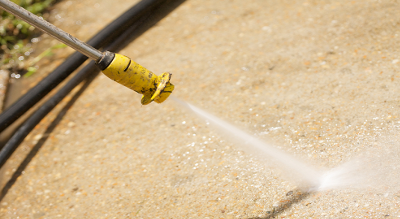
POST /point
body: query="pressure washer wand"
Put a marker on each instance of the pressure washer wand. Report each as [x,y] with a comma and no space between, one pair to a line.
[117,67]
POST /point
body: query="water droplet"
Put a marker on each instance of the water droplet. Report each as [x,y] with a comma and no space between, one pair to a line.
[35,40]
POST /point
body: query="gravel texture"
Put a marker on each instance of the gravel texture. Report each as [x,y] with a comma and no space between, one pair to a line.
[320,79]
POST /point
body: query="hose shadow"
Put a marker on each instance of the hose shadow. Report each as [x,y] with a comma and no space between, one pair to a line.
[46,134]
[293,197]
[146,22]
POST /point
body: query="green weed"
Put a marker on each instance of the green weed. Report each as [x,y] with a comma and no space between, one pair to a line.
[15,35]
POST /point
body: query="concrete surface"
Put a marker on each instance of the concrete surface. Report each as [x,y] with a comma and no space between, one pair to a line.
[318,78]
[4,77]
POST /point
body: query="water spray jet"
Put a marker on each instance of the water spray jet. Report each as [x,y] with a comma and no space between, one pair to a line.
[306,177]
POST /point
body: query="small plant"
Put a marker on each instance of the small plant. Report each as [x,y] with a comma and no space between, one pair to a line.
[15,34]
[13,29]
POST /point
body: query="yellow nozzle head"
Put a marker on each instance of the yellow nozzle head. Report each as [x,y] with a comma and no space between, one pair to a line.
[134,76]
[164,89]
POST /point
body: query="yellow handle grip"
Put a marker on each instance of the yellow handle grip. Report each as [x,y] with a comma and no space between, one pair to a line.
[134,76]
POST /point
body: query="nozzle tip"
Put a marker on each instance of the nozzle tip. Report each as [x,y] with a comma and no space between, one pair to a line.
[164,89]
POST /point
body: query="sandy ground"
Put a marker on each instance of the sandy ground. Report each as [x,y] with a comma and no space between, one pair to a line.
[4,77]
[320,79]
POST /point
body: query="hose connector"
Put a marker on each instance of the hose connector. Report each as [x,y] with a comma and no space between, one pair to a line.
[134,76]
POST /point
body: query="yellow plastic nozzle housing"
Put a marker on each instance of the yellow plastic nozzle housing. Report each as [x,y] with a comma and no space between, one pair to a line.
[134,76]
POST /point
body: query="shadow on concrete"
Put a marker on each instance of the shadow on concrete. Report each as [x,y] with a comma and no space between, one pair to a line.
[148,21]
[293,197]
[131,34]
[46,135]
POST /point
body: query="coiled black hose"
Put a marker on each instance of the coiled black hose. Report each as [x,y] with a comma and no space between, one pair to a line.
[106,35]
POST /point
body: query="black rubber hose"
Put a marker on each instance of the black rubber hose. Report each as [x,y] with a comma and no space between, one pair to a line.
[108,34]
[52,102]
